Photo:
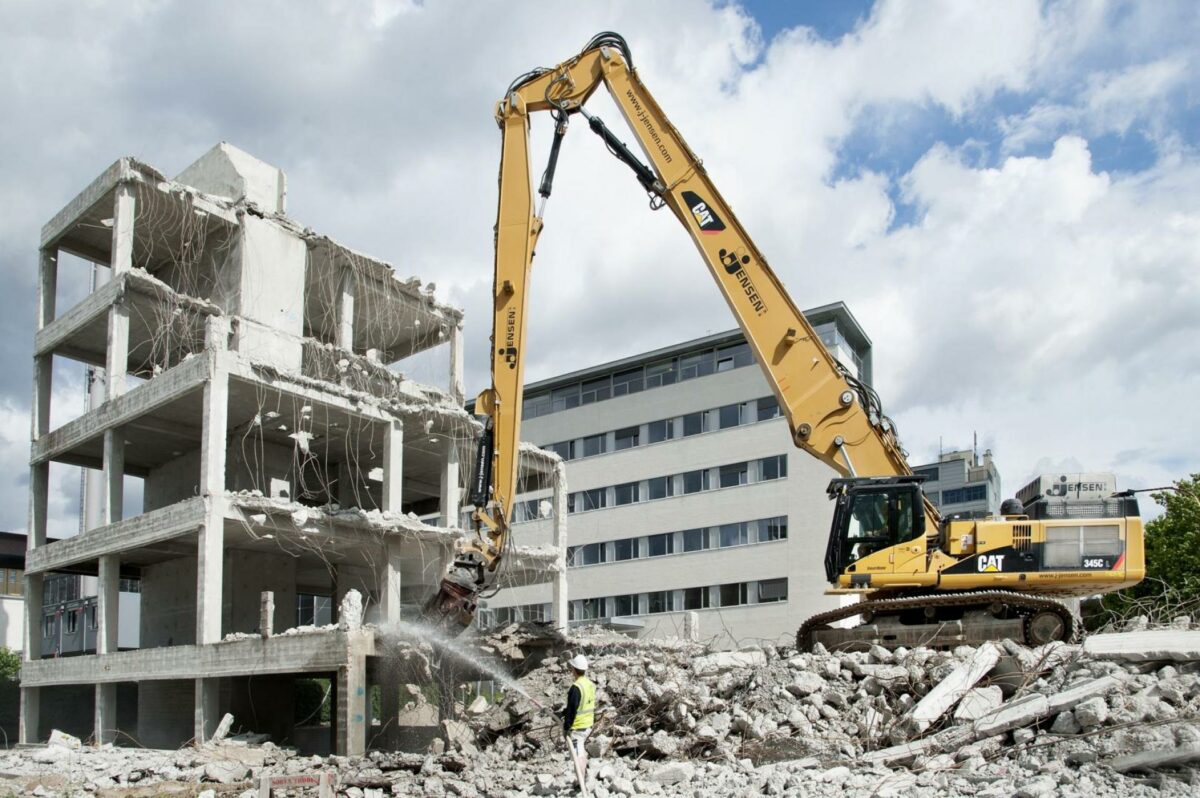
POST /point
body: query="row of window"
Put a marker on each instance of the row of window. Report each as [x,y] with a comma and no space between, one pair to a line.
[726,476]
[733,594]
[70,621]
[639,378]
[666,429]
[742,533]
[969,493]
[12,581]
[502,616]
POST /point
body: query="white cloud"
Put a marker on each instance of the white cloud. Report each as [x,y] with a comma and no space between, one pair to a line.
[1035,285]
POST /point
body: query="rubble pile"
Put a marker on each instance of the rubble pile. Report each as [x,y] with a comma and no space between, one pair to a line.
[1116,715]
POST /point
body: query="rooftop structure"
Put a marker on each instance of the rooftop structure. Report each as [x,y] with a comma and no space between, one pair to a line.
[252,378]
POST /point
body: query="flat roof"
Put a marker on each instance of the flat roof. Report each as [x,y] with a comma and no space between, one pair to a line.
[835,311]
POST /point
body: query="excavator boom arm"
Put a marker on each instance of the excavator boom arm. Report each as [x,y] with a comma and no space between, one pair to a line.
[831,415]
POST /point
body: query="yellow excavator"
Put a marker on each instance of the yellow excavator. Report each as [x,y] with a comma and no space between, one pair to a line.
[920,579]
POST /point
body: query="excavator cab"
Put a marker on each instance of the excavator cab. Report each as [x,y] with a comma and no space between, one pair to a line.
[871,514]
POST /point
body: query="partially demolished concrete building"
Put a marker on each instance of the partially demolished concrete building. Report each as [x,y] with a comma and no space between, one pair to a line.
[252,384]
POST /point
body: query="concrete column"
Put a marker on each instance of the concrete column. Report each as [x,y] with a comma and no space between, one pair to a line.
[456,364]
[31,702]
[104,719]
[389,582]
[559,530]
[345,310]
[347,495]
[114,476]
[266,614]
[208,696]
[352,705]
[43,383]
[451,491]
[393,466]
[47,286]
[211,543]
[108,603]
[117,361]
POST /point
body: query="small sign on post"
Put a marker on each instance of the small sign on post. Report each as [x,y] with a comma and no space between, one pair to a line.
[322,781]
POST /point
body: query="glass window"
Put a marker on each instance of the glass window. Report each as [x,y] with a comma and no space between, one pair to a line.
[594,445]
[537,405]
[48,626]
[591,608]
[16,582]
[596,498]
[627,438]
[625,549]
[695,481]
[693,423]
[661,373]
[93,619]
[733,594]
[733,475]
[660,601]
[565,450]
[659,545]
[596,390]
[564,398]
[627,382]
[698,365]
[773,528]
[660,487]
[768,408]
[72,619]
[867,530]
[734,535]
[970,493]
[735,356]
[626,493]
[660,430]
[930,474]
[624,606]
[591,554]
[131,586]
[772,590]
[695,539]
[773,467]
[695,598]
[730,415]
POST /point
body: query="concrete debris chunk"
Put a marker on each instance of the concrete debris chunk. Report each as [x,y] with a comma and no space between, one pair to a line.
[728,660]
[978,702]
[1013,715]
[60,739]
[1154,760]
[954,686]
[350,611]
[1070,698]
[1146,646]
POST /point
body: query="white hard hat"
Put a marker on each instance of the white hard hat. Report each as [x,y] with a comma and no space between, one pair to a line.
[579,662]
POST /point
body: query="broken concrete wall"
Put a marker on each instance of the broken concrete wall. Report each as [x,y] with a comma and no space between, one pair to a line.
[228,172]
[247,575]
[266,290]
[166,713]
[173,481]
[169,603]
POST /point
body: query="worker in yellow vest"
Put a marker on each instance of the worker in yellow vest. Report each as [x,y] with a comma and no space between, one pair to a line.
[581,709]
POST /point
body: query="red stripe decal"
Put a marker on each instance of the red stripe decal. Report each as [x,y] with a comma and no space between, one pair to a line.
[1120,562]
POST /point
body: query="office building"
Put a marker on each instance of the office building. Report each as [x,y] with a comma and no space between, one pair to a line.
[686,492]
[962,484]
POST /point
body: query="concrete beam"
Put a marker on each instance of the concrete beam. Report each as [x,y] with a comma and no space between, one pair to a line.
[949,690]
[142,400]
[52,336]
[83,202]
[1149,646]
[156,526]
[389,581]
[310,653]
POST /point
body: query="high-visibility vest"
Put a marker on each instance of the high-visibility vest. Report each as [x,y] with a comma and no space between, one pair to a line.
[585,715]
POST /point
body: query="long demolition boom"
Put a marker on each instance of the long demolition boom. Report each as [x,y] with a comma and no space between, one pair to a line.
[831,414]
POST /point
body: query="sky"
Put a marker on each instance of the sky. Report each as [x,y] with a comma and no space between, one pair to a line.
[1006,195]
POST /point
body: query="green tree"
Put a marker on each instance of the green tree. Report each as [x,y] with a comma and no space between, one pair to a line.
[10,664]
[1172,584]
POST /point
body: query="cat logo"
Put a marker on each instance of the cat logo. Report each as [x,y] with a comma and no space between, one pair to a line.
[705,217]
[990,563]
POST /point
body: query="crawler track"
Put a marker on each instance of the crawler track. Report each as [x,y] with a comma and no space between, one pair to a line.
[1036,617]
